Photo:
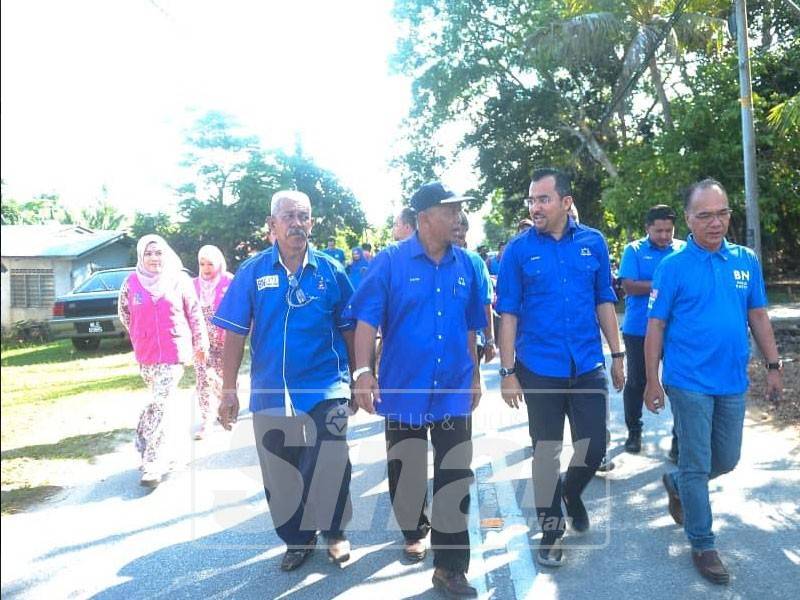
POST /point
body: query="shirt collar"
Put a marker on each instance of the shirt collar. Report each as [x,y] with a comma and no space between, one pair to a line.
[308,258]
[569,230]
[416,249]
[724,249]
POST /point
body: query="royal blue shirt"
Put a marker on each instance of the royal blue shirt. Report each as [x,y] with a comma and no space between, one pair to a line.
[484,280]
[553,287]
[704,298]
[425,312]
[494,265]
[639,262]
[296,343]
[336,253]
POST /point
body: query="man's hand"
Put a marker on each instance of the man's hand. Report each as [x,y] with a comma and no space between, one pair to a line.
[654,396]
[228,409]
[489,352]
[511,391]
[367,392]
[774,385]
[617,373]
[477,392]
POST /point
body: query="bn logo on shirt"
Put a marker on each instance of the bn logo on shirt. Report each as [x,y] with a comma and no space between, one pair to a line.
[742,279]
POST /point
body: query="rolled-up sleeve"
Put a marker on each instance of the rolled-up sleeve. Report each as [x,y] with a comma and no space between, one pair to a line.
[662,294]
[603,285]
[369,301]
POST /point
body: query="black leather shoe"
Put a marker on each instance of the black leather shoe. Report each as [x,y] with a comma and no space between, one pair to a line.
[453,584]
[711,567]
[338,551]
[579,518]
[550,552]
[634,442]
[415,551]
[675,507]
[297,555]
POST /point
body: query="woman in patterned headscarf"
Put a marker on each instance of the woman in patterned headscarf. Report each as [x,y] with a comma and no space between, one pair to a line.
[211,285]
[160,309]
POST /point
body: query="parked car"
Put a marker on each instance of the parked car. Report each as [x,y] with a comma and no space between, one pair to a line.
[89,312]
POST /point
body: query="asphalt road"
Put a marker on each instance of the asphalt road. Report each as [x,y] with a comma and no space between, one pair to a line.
[206,532]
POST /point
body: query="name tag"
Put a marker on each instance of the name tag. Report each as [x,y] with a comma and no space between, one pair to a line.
[267,281]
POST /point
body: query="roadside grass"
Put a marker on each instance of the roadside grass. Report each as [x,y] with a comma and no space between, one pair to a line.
[61,409]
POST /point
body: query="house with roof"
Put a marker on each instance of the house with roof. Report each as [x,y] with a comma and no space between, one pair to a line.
[41,262]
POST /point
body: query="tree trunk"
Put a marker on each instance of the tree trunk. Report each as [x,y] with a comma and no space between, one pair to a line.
[597,152]
[655,74]
[623,127]
[766,27]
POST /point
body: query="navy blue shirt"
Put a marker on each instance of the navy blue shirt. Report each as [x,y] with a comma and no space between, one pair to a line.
[425,312]
[298,354]
[704,298]
[553,287]
[336,253]
[639,262]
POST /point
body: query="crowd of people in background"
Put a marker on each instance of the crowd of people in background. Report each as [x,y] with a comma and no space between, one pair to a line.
[548,294]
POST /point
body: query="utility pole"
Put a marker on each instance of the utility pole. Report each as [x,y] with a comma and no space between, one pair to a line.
[753,221]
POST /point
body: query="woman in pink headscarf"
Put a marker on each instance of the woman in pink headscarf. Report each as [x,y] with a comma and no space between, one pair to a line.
[211,285]
[160,309]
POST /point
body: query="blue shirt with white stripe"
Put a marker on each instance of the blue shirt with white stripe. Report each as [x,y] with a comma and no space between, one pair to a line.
[296,343]
[704,298]
[639,261]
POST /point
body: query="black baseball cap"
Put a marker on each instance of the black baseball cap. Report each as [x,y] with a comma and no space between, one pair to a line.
[434,193]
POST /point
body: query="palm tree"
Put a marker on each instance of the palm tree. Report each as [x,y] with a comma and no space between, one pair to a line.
[640,25]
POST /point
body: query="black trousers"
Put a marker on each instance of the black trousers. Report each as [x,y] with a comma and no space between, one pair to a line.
[305,466]
[583,401]
[406,452]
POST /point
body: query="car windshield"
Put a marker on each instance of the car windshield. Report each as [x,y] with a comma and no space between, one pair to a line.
[102,282]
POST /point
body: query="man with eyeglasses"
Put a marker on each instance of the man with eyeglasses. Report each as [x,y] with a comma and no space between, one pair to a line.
[290,299]
[425,296]
[555,295]
[639,261]
[704,298]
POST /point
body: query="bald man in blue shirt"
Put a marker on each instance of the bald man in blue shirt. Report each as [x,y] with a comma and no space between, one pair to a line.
[703,300]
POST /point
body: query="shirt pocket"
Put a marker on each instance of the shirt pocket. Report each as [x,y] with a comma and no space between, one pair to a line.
[537,277]
[584,268]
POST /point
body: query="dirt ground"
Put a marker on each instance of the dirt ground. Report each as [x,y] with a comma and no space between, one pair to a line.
[787,411]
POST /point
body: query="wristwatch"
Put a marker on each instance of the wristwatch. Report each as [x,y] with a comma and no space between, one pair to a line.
[618,354]
[359,372]
[506,372]
[776,366]
[489,341]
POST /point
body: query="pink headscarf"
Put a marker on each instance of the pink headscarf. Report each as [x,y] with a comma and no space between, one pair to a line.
[208,287]
[158,284]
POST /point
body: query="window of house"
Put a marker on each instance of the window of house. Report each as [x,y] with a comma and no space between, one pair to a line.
[32,288]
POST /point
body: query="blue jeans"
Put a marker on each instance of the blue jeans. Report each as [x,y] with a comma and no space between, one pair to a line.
[709,432]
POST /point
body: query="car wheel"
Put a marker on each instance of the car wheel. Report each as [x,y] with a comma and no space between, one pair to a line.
[86,344]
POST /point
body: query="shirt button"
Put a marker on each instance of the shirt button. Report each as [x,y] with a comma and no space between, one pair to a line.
[438,360]
[435,383]
[438,290]
[564,280]
[438,312]
[438,337]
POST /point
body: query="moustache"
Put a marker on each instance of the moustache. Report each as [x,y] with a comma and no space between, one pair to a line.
[297,231]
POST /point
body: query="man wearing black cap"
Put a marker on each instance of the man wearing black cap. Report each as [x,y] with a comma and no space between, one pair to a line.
[424,295]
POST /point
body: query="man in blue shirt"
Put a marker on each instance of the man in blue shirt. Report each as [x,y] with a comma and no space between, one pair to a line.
[424,294]
[639,262]
[554,297]
[703,299]
[335,252]
[404,225]
[494,263]
[290,299]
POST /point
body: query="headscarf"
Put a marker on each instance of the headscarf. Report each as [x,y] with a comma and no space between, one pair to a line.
[158,284]
[358,268]
[208,287]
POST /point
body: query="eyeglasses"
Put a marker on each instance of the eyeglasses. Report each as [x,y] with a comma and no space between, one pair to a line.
[710,216]
[540,200]
[295,297]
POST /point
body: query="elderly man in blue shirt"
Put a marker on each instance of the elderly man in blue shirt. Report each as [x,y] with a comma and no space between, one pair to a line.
[425,296]
[639,261]
[290,299]
[704,298]
[555,295]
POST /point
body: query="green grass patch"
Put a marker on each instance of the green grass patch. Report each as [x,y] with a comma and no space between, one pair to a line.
[21,499]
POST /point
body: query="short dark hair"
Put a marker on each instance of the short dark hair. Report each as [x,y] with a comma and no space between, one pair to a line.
[563,181]
[500,244]
[366,246]
[409,217]
[703,184]
[659,212]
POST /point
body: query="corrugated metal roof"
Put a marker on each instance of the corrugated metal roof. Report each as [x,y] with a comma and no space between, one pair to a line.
[52,241]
